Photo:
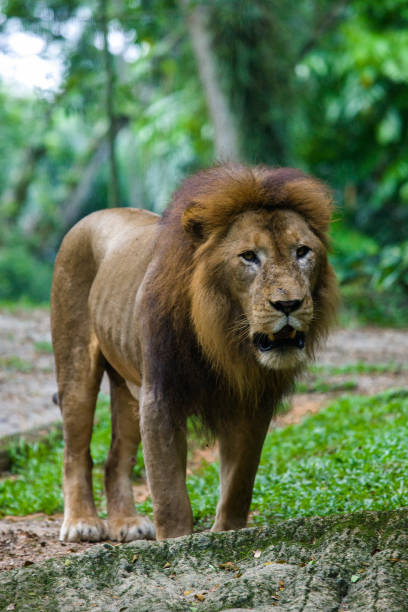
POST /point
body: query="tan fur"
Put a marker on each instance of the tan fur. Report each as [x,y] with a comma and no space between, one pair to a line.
[171,310]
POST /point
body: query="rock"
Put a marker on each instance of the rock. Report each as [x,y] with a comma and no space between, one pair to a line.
[353,562]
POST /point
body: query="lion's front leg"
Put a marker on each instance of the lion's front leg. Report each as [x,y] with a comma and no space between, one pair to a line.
[165,452]
[240,445]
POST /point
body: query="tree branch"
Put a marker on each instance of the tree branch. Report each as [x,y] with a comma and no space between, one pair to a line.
[328,21]
[226,139]
[113,186]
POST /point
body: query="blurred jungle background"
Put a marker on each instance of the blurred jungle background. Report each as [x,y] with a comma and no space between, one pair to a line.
[113,102]
[106,103]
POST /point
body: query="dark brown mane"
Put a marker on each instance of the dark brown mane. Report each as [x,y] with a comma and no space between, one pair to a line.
[204,206]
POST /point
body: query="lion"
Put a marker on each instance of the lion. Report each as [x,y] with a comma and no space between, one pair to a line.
[211,310]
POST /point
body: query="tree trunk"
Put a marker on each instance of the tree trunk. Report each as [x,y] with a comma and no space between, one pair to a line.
[226,139]
[97,154]
[113,186]
[14,197]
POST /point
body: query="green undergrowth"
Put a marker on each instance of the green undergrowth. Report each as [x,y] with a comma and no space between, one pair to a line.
[351,456]
[361,305]
[34,484]
[22,304]
[321,385]
[16,364]
[43,346]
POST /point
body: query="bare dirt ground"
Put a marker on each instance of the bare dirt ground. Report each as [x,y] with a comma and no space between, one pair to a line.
[27,383]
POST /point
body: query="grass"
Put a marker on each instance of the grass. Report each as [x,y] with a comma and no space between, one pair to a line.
[318,379]
[16,364]
[320,385]
[34,484]
[43,346]
[349,457]
[13,306]
[359,368]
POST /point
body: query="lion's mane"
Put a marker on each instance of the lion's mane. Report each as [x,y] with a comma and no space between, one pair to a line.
[194,359]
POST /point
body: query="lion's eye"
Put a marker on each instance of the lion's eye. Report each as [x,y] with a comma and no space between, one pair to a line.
[302,251]
[249,256]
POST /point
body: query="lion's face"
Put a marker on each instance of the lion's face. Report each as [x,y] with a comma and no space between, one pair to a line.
[271,262]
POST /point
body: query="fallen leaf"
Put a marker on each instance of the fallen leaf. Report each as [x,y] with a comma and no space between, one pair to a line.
[166,565]
[199,596]
[134,558]
[393,559]
[268,563]
[281,584]
[257,554]
[27,562]
[229,566]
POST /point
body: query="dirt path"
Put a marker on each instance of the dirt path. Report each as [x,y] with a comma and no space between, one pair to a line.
[27,379]
[27,383]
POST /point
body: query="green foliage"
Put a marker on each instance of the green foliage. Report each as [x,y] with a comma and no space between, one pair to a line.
[23,275]
[357,99]
[331,99]
[392,267]
[361,305]
[35,484]
[373,279]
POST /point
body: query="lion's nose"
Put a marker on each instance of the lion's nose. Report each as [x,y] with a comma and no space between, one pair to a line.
[287,306]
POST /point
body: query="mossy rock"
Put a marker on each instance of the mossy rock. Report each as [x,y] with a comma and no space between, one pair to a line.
[353,562]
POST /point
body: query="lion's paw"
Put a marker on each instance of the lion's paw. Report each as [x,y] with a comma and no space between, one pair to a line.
[88,530]
[131,528]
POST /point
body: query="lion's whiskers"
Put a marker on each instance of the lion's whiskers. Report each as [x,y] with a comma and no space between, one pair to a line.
[239,329]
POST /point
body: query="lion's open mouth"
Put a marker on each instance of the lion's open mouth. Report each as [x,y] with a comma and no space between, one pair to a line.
[286,337]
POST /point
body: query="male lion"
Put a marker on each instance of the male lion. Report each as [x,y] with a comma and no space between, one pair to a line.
[211,310]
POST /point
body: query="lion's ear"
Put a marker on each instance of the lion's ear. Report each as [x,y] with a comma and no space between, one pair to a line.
[193,223]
